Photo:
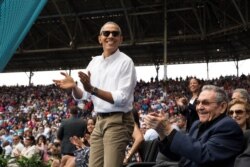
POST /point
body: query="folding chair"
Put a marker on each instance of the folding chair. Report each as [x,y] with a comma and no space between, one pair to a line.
[148,151]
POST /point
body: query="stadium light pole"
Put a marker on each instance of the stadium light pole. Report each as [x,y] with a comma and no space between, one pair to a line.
[165,41]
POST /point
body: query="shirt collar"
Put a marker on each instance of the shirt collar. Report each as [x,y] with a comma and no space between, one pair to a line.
[111,57]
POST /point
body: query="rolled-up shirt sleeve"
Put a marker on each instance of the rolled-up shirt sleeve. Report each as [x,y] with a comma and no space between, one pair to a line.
[115,74]
[126,84]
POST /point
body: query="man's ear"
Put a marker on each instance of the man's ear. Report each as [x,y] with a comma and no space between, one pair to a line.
[99,39]
[224,107]
[121,39]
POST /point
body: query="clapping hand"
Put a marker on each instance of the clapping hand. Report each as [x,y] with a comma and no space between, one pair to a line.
[159,122]
[85,80]
[77,141]
[66,83]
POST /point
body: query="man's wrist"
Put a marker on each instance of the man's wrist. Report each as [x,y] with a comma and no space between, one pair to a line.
[168,130]
[94,91]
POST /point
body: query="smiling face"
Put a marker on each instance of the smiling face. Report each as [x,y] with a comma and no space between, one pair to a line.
[90,125]
[194,85]
[239,114]
[110,41]
[207,107]
[239,110]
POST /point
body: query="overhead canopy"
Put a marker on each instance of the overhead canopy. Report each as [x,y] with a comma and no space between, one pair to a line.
[16,18]
[65,34]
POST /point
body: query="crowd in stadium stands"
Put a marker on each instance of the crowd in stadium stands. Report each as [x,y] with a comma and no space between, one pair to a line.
[30,116]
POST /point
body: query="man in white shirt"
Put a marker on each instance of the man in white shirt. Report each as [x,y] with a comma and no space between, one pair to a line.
[109,81]
[17,146]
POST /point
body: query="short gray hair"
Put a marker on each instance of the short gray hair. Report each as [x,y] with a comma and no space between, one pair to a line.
[221,95]
[243,93]
[111,22]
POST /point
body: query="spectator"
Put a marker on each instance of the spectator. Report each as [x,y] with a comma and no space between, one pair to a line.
[213,140]
[90,127]
[243,160]
[6,136]
[188,109]
[70,127]
[17,146]
[110,82]
[29,147]
[81,154]
[42,146]
[55,154]
[132,154]
[7,149]
[239,110]
[241,93]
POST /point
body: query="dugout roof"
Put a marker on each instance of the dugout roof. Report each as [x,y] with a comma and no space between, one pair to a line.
[65,34]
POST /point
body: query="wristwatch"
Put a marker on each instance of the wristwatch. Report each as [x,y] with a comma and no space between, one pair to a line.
[94,91]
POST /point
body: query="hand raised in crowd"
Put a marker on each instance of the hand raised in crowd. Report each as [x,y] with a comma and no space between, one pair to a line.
[182,101]
[77,141]
[66,83]
[160,123]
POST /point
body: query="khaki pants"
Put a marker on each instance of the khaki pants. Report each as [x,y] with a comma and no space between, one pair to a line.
[109,140]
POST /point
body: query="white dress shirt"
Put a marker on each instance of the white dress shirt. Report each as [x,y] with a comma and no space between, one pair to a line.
[115,74]
[150,134]
[17,149]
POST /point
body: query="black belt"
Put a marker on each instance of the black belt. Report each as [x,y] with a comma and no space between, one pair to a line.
[109,113]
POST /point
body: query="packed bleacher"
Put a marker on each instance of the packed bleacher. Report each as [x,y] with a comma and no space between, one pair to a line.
[37,111]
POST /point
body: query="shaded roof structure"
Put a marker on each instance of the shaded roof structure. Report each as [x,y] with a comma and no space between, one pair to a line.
[194,31]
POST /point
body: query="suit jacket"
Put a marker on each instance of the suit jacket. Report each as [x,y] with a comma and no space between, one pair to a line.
[214,144]
[243,160]
[70,127]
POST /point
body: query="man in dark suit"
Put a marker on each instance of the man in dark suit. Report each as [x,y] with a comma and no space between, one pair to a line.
[213,140]
[71,127]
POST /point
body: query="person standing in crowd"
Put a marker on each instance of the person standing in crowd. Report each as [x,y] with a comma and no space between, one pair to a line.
[213,140]
[188,109]
[70,127]
[110,81]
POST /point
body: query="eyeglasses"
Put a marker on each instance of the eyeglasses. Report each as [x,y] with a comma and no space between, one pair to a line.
[205,102]
[237,112]
[107,33]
